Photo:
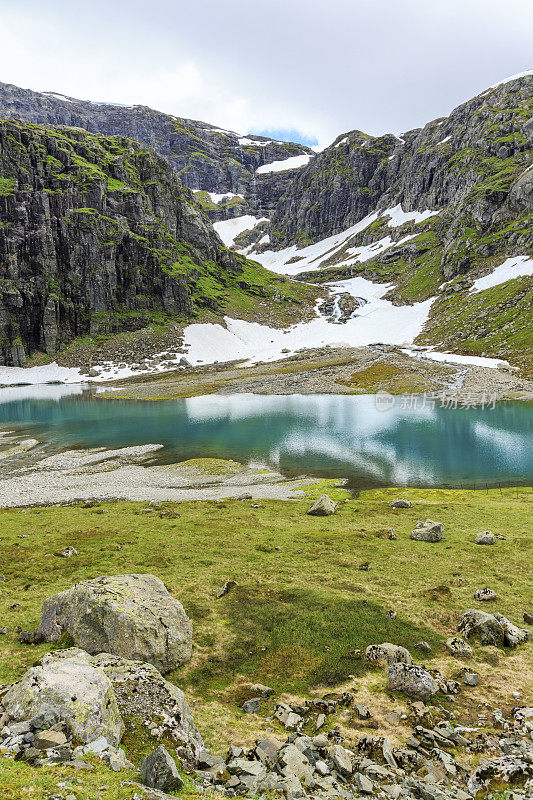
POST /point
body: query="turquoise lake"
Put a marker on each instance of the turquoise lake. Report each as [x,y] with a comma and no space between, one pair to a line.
[327,435]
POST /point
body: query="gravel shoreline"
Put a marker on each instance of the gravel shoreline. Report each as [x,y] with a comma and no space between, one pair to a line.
[36,478]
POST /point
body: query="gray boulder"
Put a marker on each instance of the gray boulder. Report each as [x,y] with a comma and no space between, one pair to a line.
[252,706]
[458,648]
[132,616]
[141,690]
[73,688]
[323,506]
[386,653]
[485,537]
[428,531]
[485,595]
[412,680]
[159,771]
[483,625]
[400,502]
[512,634]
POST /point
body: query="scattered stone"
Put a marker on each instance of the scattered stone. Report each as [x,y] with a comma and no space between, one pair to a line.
[386,653]
[30,637]
[159,771]
[400,502]
[362,711]
[424,647]
[392,535]
[528,618]
[228,586]
[323,506]
[320,721]
[486,537]
[132,616]
[394,717]
[428,531]
[485,595]
[412,680]
[363,783]
[391,614]
[483,625]
[142,691]
[470,679]
[365,566]
[47,739]
[341,759]
[458,648]
[68,552]
[262,690]
[3,631]
[252,706]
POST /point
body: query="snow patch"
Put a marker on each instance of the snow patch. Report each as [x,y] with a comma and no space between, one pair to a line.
[295,162]
[455,358]
[217,198]
[399,217]
[58,96]
[446,139]
[377,320]
[229,229]
[516,267]
[525,74]
[310,257]
[245,141]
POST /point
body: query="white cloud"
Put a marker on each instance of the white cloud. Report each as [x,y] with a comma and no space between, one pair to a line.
[323,69]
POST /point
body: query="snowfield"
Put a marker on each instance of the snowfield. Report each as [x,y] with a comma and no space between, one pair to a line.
[311,257]
[229,229]
[516,267]
[378,320]
[295,162]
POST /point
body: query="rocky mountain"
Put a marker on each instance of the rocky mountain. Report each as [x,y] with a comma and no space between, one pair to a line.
[473,172]
[475,161]
[98,234]
[205,157]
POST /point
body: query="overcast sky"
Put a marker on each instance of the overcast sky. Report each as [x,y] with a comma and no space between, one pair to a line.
[319,68]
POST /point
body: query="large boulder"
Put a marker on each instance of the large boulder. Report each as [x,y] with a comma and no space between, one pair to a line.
[386,653]
[478,623]
[411,680]
[74,689]
[142,691]
[132,616]
[428,531]
[323,506]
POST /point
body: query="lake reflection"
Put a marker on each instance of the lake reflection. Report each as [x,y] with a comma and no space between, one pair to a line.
[329,435]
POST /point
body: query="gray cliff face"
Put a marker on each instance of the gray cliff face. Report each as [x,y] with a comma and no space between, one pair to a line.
[472,163]
[204,156]
[97,234]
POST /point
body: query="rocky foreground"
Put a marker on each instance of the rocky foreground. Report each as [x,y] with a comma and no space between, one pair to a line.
[128,630]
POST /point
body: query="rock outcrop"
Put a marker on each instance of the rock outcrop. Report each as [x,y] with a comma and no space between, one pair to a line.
[92,700]
[74,689]
[204,157]
[132,616]
[97,236]
[473,161]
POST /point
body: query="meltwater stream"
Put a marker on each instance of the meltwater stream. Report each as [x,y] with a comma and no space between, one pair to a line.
[327,435]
